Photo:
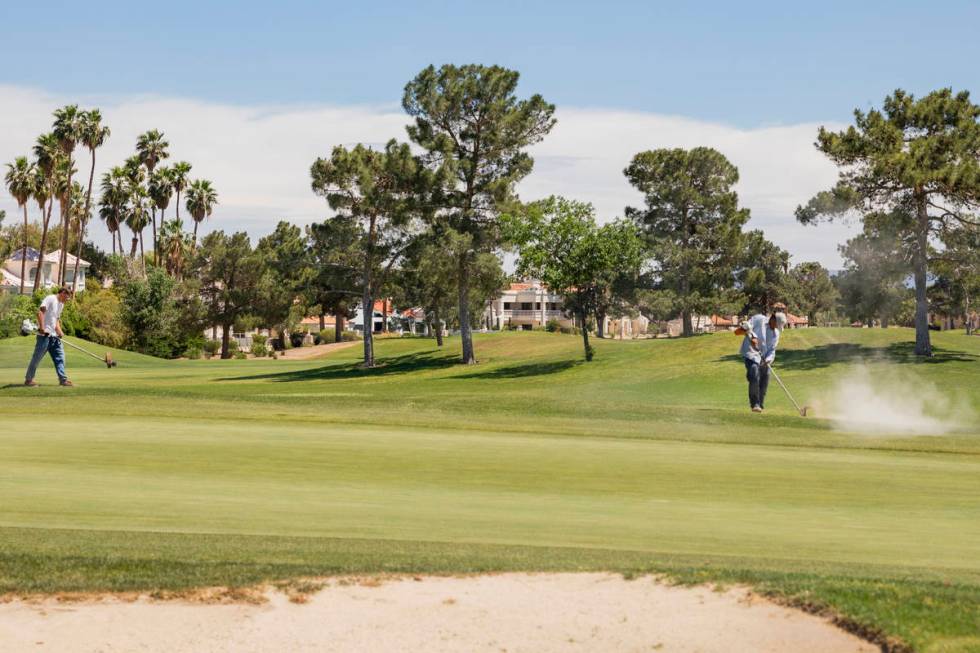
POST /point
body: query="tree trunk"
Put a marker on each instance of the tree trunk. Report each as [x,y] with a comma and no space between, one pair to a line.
[437,324]
[465,333]
[44,240]
[83,223]
[323,323]
[225,336]
[367,310]
[384,315]
[338,327]
[23,253]
[600,325]
[66,227]
[585,337]
[153,214]
[923,347]
[968,323]
[194,241]
[133,246]
[142,254]
[688,326]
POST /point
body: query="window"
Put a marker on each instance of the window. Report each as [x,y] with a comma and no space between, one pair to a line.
[33,274]
[69,276]
[507,306]
[526,306]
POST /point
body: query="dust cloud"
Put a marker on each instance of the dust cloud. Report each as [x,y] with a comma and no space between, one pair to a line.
[885,400]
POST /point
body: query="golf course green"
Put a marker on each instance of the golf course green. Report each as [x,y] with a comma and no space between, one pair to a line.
[164,475]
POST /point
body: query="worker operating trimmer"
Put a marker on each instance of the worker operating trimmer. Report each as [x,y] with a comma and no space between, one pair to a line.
[49,335]
[759,351]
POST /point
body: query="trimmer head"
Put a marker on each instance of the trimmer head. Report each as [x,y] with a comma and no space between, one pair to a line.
[109,363]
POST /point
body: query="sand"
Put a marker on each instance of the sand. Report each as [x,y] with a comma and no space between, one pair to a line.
[537,613]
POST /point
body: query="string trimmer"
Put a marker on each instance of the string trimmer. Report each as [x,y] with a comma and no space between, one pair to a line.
[801,411]
[28,327]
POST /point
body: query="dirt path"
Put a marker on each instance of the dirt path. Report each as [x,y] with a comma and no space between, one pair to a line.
[316,351]
[509,612]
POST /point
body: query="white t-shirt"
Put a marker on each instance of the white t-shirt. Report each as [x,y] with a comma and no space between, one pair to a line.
[52,313]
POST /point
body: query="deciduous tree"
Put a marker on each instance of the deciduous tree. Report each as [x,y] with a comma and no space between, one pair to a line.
[559,242]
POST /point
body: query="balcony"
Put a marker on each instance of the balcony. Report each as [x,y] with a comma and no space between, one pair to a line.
[531,313]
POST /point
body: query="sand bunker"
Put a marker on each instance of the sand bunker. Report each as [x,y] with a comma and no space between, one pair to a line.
[508,612]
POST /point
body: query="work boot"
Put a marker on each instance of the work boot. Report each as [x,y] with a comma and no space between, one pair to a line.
[31,383]
[67,384]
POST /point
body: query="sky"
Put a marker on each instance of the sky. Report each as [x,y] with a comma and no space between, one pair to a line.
[250,93]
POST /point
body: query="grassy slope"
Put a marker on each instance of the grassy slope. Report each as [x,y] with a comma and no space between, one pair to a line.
[172,474]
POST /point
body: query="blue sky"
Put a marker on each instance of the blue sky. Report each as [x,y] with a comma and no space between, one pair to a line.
[741,63]
[252,92]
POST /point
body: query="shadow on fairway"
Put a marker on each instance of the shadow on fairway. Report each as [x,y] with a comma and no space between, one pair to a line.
[384,367]
[522,371]
[825,355]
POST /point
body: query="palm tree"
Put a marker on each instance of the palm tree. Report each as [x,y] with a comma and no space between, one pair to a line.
[48,154]
[160,188]
[93,136]
[174,244]
[67,129]
[151,148]
[42,195]
[201,199]
[115,195]
[137,219]
[20,181]
[179,176]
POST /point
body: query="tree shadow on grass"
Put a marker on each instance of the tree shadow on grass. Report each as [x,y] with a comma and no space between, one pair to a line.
[522,371]
[845,352]
[384,367]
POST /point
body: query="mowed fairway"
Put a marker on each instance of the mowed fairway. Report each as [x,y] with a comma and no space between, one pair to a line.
[174,474]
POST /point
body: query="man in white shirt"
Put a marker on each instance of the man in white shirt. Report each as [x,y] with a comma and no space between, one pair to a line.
[759,351]
[49,335]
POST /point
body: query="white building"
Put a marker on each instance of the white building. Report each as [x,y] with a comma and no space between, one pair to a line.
[382,308]
[525,305]
[10,279]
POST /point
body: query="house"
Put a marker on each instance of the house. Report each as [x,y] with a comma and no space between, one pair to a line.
[49,270]
[797,321]
[627,327]
[382,309]
[699,323]
[525,305]
[724,322]
[414,321]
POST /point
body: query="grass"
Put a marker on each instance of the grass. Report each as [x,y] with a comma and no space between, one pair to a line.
[170,475]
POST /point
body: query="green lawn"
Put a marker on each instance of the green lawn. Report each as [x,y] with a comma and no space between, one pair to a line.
[167,475]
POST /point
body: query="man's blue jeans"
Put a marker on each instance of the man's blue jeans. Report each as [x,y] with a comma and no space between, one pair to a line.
[48,345]
[758,378]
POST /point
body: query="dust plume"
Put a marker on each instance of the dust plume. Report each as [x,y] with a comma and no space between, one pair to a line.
[883,400]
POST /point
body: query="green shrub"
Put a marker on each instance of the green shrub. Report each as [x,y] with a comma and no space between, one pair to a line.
[193,352]
[552,326]
[349,336]
[328,335]
[259,339]
[239,355]
[14,309]
[211,347]
[232,346]
[259,350]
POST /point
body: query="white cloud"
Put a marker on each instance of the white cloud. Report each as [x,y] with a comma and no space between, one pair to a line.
[259,156]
